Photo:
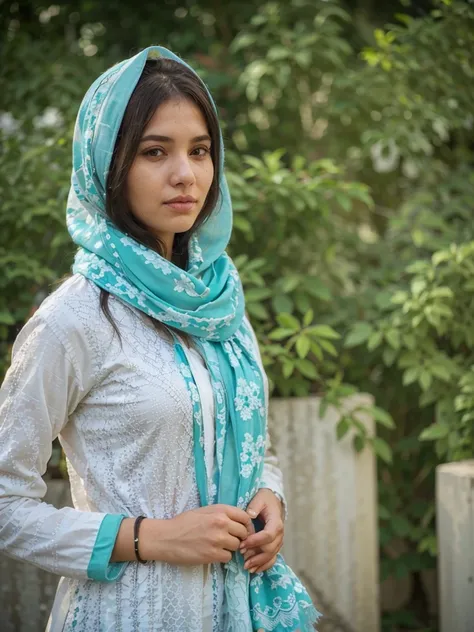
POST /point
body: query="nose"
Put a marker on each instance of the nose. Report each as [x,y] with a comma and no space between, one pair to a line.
[182,172]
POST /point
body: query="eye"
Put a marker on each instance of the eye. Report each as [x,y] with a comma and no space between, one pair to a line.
[154,152]
[203,151]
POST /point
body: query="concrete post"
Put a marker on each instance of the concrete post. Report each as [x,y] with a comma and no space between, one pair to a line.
[455,526]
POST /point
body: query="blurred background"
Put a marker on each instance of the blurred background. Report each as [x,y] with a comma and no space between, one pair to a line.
[349,131]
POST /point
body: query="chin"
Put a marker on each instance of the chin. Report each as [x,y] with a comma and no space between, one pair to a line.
[182,224]
[184,219]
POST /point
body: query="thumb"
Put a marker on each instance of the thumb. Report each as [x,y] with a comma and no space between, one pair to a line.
[255,506]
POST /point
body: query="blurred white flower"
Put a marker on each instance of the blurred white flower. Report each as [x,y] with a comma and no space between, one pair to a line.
[468,121]
[410,169]
[441,128]
[8,123]
[367,234]
[385,155]
[51,117]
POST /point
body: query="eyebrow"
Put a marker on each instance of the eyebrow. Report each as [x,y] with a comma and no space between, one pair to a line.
[167,139]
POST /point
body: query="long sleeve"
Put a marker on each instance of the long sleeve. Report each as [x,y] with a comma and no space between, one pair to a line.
[272,477]
[47,379]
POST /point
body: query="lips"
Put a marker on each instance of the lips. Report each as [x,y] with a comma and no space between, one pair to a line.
[184,207]
[182,203]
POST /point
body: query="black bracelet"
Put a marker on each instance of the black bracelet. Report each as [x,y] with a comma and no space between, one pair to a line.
[136,528]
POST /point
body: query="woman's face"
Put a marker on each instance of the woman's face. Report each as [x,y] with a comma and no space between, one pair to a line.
[170,177]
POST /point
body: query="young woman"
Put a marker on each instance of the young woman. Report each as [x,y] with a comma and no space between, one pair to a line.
[144,364]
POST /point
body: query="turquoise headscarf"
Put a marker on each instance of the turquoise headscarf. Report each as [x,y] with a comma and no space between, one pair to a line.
[205,301]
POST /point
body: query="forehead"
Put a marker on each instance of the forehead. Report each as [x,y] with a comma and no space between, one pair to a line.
[182,116]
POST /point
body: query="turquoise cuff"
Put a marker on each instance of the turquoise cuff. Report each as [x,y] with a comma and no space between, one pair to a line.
[100,567]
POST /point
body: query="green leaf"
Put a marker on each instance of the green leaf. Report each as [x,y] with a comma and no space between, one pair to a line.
[282,304]
[302,301]
[307,368]
[381,416]
[401,526]
[316,349]
[359,333]
[389,356]
[399,298]
[289,284]
[242,223]
[308,318]
[374,340]
[288,321]
[441,372]
[410,375]
[288,368]
[383,300]
[256,294]
[392,336]
[382,449]
[323,331]
[6,318]
[318,290]
[425,380]
[342,428]
[257,310]
[323,407]
[441,257]
[418,286]
[329,347]
[359,442]
[442,292]
[344,201]
[434,432]
[303,345]
[429,544]
[243,40]
[280,333]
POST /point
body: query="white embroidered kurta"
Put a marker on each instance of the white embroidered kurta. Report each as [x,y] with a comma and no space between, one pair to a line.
[124,418]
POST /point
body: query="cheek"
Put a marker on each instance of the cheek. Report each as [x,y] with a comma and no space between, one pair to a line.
[207,176]
[140,183]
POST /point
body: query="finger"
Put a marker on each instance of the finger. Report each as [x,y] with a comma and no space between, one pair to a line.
[230,543]
[258,540]
[258,560]
[238,530]
[260,557]
[223,556]
[251,528]
[238,515]
[256,505]
[273,529]
[251,553]
[243,550]
[266,566]
[270,550]
[234,513]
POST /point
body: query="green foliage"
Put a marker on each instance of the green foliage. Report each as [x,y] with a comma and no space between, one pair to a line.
[282,211]
[429,335]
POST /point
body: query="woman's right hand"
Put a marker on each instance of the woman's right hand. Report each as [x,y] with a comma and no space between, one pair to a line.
[199,536]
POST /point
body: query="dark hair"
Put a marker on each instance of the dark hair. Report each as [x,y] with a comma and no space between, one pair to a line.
[161,80]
